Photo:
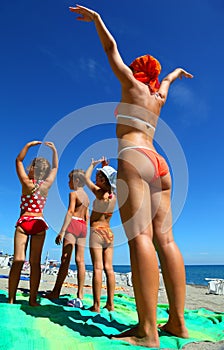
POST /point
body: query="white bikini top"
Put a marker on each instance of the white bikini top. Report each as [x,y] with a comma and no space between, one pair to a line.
[156,95]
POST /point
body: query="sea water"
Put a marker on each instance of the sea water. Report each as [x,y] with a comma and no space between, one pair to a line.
[195,274]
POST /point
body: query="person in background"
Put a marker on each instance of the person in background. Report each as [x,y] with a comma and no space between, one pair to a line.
[73,234]
[101,241]
[31,224]
[144,188]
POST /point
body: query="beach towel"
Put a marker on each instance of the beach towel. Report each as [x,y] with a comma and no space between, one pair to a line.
[54,325]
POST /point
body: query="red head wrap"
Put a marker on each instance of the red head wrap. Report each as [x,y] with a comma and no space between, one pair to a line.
[147,69]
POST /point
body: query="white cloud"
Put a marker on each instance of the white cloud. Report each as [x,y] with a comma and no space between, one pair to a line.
[87,65]
[194,109]
[6,243]
[91,66]
[55,249]
[182,95]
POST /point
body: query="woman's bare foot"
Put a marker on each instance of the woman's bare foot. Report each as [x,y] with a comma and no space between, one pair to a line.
[109,307]
[12,300]
[177,330]
[33,303]
[80,294]
[94,309]
[51,295]
[136,337]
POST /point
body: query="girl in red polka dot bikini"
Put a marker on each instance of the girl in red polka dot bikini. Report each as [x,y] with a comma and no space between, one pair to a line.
[31,224]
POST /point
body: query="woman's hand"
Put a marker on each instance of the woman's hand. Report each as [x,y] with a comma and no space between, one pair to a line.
[59,238]
[50,144]
[87,15]
[183,73]
[33,143]
[105,162]
[98,161]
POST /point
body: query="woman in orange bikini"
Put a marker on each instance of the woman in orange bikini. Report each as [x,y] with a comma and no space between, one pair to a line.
[31,224]
[145,208]
[101,236]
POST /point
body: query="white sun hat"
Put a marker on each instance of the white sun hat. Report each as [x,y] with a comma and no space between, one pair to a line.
[110,173]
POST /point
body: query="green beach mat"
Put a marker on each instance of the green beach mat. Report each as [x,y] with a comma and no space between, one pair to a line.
[55,326]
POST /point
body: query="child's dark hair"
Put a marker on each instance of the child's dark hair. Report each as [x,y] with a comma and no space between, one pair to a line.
[106,178]
[78,174]
[42,168]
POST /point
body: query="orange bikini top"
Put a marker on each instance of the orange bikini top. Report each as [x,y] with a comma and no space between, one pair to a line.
[108,214]
[98,208]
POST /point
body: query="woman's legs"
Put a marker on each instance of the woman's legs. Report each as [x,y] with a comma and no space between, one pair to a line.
[136,217]
[63,270]
[108,268]
[171,260]
[80,263]
[36,246]
[20,245]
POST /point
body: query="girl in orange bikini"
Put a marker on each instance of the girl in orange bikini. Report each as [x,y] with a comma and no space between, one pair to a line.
[101,236]
[145,201]
[31,224]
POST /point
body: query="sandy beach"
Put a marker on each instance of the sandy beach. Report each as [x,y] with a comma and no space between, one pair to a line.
[196,297]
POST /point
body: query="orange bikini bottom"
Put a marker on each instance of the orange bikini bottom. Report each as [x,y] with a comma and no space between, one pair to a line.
[160,164]
[104,233]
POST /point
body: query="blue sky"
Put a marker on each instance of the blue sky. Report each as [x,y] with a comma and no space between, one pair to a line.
[56,83]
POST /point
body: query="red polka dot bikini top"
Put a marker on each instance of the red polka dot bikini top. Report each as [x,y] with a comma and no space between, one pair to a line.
[34,202]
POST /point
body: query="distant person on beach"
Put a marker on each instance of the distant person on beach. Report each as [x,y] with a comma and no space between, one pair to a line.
[31,224]
[73,233]
[144,188]
[101,240]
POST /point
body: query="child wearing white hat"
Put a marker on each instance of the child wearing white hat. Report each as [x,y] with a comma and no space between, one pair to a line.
[101,236]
